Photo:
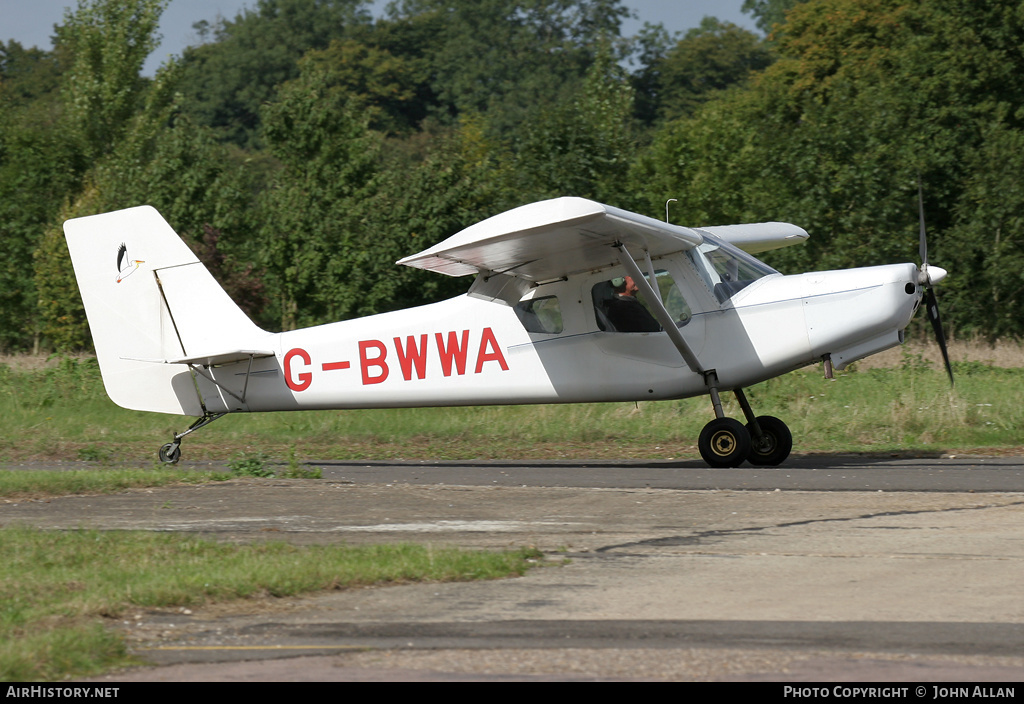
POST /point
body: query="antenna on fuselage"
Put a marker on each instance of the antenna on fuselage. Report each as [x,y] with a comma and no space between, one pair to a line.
[670,200]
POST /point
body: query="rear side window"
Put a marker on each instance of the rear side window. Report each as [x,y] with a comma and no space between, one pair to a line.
[541,315]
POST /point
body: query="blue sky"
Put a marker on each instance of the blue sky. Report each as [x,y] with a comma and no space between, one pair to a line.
[31,23]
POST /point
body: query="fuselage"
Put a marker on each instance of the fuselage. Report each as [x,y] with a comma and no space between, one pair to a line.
[466,351]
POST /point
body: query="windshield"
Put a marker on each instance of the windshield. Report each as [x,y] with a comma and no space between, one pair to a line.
[725,269]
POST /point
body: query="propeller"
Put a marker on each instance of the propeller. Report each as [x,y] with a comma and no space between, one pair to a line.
[929,277]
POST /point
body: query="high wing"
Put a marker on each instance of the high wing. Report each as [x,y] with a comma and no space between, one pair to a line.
[556,238]
[550,240]
[758,237]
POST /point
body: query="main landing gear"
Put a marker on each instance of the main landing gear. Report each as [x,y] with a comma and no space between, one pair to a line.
[171,452]
[725,442]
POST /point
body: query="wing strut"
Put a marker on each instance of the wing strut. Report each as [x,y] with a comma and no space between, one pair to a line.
[659,310]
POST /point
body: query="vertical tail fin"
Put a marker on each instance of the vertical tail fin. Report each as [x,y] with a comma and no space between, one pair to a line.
[149,300]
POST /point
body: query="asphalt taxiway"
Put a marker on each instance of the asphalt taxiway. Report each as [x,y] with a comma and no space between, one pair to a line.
[829,568]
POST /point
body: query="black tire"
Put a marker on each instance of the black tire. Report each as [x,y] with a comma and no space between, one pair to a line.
[724,442]
[775,444]
[170,453]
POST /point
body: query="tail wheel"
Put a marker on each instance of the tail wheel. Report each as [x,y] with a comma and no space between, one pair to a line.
[774,445]
[170,453]
[724,442]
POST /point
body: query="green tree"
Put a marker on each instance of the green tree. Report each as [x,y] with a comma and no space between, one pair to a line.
[383,85]
[40,164]
[26,74]
[709,58]
[226,81]
[987,281]
[585,147]
[329,158]
[108,42]
[39,168]
[61,318]
[769,13]
[505,59]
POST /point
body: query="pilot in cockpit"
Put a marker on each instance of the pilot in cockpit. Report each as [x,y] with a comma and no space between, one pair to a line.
[625,312]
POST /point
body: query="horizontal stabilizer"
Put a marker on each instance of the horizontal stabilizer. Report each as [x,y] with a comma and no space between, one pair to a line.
[216,358]
[210,360]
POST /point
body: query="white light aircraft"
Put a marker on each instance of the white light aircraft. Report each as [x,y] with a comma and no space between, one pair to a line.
[551,317]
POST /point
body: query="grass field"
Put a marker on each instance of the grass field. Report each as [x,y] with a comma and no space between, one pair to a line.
[896,402]
[59,590]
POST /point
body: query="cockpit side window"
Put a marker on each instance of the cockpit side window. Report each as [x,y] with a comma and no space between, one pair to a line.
[540,315]
[726,270]
[619,307]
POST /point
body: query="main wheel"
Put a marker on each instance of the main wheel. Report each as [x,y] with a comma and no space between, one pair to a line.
[724,442]
[170,453]
[775,443]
